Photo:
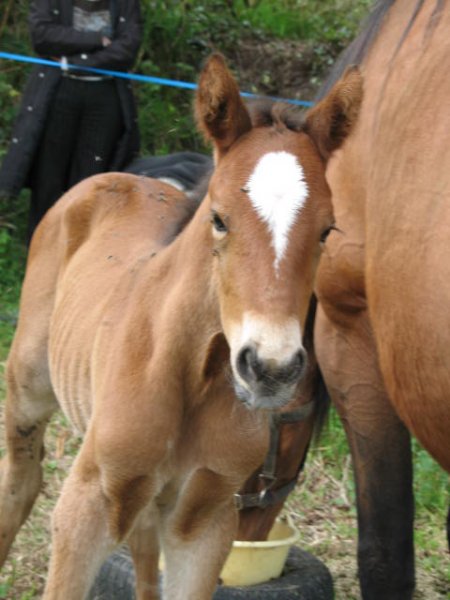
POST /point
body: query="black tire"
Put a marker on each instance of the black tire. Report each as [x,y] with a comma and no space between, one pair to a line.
[304,578]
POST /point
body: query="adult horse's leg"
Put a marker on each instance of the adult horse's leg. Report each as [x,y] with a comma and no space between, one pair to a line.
[197,536]
[380,448]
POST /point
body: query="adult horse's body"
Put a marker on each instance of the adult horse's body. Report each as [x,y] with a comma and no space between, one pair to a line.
[383,325]
[139,336]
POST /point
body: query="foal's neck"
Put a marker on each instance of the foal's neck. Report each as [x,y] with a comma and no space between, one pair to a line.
[194,318]
[192,249]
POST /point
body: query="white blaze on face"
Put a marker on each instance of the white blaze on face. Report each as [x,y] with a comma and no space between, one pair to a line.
[278,191]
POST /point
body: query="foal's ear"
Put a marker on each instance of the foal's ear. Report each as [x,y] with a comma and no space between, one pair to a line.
[220,112]
[332,119]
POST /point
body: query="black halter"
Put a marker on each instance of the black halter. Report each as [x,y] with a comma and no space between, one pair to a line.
[268,495]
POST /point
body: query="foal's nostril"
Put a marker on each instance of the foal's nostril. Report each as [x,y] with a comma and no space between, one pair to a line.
[248,364]
[298,364]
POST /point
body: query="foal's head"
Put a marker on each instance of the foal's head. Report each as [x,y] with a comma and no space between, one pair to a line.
[271,212]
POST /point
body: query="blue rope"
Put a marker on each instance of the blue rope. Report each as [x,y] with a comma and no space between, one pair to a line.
[134,76]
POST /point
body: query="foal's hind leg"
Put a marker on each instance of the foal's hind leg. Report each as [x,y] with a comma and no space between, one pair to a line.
[29,404]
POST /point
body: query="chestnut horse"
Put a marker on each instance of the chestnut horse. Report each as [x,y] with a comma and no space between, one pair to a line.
[170,352]
[383,326]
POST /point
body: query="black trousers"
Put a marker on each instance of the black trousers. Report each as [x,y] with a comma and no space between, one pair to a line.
[82,129]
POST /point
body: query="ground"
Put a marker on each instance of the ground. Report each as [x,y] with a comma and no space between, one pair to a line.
[321,507]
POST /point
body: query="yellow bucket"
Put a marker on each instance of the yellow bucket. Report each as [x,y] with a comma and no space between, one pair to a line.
[250,563]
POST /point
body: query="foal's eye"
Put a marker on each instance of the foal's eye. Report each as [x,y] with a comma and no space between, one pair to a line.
[218,224]
[326,233]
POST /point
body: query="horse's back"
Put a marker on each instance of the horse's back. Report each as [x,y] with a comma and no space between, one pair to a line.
[91,243]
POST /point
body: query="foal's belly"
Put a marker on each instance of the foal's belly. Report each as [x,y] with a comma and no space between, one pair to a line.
[83,303]
[70,348]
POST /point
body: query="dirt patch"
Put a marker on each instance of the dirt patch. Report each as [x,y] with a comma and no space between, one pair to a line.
[285,68]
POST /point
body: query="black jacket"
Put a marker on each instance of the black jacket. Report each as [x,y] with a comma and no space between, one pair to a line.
[52,35]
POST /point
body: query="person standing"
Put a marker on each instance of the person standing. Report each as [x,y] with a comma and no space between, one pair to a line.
[73,123]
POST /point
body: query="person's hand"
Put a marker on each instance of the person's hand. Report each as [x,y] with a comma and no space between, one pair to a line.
[105,41]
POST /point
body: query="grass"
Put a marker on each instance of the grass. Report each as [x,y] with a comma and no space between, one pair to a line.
[334,22]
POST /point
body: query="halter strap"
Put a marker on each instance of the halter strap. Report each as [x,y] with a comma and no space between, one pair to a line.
[268,495]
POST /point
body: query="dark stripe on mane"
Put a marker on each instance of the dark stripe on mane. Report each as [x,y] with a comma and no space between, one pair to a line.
[408,27]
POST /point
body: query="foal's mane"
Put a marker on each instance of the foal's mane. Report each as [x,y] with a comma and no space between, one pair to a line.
[279,115]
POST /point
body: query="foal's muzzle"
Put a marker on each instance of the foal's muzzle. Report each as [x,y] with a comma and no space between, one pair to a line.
[268,383]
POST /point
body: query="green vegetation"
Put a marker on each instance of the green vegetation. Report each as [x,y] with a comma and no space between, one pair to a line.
[178,35]
[332,22]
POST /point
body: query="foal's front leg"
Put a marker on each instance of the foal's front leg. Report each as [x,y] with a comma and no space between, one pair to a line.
[144,546]
[81,537]
[197,537]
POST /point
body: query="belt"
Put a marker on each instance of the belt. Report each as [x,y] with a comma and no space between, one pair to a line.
[86,77]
